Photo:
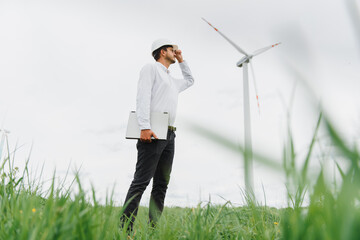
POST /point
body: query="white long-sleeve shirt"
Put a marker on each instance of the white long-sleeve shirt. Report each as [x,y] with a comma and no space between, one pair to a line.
[158,92]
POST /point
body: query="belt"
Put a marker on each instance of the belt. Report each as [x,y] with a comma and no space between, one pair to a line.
[171,128]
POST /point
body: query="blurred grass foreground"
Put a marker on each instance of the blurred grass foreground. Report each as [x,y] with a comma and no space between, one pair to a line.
[30,212]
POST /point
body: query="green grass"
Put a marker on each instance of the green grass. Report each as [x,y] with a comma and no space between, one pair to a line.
[28,211]
[63,215]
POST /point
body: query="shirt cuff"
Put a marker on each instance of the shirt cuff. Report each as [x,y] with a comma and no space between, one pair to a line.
[145,127]
[183,62]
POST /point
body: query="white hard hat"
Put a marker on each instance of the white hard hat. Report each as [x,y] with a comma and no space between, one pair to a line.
[162,42]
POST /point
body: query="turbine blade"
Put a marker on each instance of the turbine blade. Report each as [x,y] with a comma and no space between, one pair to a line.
[261,50]
[255,86]
[227,39]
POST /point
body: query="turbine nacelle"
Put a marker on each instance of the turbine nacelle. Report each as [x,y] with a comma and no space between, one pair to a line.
[245,59]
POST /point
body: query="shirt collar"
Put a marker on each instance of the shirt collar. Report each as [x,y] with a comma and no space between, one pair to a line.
[162,67]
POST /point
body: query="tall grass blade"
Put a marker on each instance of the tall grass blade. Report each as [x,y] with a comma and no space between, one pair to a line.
[306,163]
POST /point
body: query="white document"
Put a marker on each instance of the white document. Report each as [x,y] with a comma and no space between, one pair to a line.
[159,125]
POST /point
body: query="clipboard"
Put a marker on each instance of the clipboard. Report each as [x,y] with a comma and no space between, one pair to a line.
[159,125]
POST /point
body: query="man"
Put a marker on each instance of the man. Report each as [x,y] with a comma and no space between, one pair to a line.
[157,92]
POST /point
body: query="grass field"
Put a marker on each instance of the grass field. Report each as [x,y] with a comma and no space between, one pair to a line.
[30,212]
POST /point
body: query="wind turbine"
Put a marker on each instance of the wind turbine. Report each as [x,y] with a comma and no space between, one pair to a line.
[243,62]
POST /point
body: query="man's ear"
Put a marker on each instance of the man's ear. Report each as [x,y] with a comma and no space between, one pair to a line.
[162,52]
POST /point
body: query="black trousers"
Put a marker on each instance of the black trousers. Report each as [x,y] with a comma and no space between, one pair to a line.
[154,161]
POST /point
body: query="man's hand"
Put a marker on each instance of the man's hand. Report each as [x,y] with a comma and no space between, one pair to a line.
[178,55]
[146,134]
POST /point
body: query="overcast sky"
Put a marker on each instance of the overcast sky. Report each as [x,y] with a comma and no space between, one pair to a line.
[69,72]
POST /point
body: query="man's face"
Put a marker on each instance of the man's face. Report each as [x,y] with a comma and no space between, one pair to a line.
[170,55]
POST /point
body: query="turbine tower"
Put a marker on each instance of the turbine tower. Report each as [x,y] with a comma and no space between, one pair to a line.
[243,62]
